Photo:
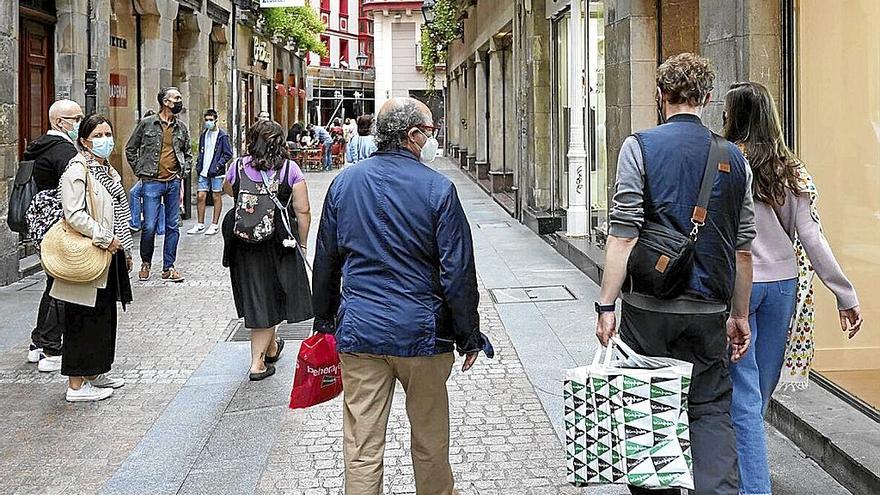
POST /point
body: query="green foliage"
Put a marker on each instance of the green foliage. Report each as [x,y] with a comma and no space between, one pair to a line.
[429,57]
[437,36]
[301,25]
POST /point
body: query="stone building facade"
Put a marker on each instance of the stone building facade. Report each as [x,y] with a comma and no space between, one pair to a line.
[623,42]
[482,93]
[135,48]
[9,270]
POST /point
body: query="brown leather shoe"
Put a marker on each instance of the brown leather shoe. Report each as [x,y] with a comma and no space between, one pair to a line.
[172,275]
[144,274]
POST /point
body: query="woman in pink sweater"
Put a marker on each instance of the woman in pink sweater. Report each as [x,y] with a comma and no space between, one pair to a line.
[787,225]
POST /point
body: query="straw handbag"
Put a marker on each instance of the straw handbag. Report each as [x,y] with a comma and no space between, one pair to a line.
[68,255]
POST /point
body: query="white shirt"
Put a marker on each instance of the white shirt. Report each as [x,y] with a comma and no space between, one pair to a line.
[210,142]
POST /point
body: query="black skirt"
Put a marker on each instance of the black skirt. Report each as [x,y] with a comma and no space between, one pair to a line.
[269,281]
[89,340]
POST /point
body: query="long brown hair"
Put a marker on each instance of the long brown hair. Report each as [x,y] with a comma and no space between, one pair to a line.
[266,145]
[752,121]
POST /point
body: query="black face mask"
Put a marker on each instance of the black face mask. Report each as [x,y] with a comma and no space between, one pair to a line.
[660,111]
[177,108]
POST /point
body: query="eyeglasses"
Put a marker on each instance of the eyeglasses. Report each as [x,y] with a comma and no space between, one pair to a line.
[428,130]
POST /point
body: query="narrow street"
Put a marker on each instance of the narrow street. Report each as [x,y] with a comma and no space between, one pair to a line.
[189,422]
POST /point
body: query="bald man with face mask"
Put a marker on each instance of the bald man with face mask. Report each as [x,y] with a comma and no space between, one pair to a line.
[395,280]
[51,152]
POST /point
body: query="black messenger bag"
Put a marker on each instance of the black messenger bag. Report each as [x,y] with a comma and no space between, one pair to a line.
[662,260]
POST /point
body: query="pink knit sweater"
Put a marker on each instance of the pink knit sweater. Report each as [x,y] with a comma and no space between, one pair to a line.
[773,252]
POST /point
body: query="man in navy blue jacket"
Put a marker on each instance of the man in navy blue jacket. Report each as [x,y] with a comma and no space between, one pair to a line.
[395,280]
[215,151]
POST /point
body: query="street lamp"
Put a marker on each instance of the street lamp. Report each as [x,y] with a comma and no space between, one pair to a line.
[428,10]
[362,60]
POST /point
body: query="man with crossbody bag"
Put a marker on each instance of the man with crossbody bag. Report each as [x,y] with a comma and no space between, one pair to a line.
[679,247]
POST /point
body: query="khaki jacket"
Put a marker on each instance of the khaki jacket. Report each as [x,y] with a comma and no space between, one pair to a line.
[98,228]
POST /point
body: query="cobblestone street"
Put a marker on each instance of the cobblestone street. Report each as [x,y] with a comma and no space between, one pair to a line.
[189,422]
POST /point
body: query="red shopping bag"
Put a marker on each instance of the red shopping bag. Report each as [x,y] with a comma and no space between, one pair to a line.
[318,376]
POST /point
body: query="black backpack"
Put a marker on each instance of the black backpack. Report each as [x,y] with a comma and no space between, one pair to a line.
[23,191]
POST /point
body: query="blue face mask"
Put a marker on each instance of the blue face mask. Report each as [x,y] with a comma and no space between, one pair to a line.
[102,146]
[209,125]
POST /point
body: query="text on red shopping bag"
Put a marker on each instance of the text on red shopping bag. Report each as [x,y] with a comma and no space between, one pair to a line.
[318,376]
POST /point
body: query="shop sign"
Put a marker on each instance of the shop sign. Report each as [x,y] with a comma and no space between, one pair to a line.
[118,42]
[118,90]
[261,54]
[281,3]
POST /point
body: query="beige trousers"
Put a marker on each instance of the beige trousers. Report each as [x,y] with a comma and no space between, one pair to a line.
[368,390]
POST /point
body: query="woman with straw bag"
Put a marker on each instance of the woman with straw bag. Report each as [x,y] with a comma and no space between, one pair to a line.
[89,253]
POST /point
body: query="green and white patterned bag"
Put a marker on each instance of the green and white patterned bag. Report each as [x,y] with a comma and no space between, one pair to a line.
[626,420]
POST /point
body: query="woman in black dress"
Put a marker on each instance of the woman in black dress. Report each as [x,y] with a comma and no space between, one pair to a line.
[269,280]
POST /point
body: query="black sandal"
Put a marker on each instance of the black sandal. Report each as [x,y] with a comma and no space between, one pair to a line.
[279,342]
[270,370]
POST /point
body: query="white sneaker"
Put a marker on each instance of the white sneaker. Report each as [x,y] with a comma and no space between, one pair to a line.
[35,354]
[49,364]
[198,229]
[213,229]
[88,393]
[104,381]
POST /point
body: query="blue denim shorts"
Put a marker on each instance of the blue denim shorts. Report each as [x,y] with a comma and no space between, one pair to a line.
[213,184]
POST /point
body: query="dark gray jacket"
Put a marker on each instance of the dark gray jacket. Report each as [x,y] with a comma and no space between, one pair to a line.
[145,143]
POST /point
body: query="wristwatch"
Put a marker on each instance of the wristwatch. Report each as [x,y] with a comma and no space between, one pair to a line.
[605,308]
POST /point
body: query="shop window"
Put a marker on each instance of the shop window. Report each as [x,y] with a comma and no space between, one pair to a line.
[561,113]
[597,150]
[837,128]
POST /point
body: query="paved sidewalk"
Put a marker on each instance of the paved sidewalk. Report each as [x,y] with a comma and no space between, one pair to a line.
[189,422]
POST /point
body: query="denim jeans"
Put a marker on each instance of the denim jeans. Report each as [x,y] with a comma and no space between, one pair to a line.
[755,377]
[328,157]
[136,204]
[161,199]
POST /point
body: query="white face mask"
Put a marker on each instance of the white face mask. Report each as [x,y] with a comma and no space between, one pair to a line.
[429,150]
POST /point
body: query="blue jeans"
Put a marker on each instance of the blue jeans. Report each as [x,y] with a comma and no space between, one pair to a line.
[755,377]
[161,199]
[328,157]
[136,203]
